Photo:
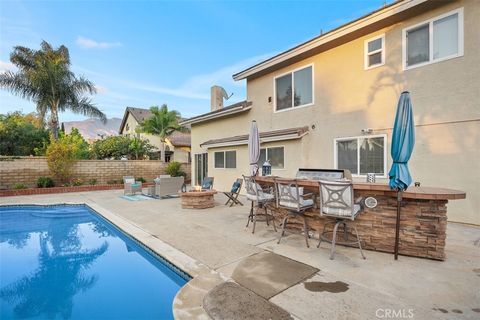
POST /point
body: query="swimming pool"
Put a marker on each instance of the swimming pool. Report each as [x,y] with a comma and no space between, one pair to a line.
[67,262]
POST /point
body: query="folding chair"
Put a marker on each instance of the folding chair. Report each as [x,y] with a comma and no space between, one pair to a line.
[233,194]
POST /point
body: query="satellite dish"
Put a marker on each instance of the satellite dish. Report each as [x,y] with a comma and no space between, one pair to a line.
[371,202]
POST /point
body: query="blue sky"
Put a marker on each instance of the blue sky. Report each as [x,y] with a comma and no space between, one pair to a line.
[144,53]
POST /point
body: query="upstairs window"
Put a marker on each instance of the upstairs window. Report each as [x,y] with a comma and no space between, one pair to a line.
[375,52]
[438,39]
[294,89]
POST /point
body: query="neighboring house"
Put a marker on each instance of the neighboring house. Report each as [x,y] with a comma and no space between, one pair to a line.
[177,146]
[346,84]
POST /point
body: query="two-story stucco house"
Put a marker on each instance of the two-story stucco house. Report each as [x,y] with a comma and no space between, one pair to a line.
[330,102]
[177,145]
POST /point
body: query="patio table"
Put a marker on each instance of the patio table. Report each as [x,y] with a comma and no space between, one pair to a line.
[423,222]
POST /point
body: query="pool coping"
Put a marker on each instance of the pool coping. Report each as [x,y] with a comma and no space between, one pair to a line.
[188,301]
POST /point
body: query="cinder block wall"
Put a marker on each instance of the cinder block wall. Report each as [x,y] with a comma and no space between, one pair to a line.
[26,170]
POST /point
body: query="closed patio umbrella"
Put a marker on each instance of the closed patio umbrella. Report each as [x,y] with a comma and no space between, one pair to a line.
[403,140]
[253,148]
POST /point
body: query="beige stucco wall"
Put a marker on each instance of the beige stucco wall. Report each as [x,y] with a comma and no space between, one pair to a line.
[445,96]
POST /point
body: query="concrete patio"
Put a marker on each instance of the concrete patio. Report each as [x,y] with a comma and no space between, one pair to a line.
[345,288]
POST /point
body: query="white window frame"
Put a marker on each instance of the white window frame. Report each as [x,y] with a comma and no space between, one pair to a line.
[225,160]
[266,155]
[367,54]
[293,89]
[356,175]
[430,22]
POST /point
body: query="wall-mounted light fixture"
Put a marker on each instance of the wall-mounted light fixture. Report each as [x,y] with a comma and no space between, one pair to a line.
[367,131]
[269,99]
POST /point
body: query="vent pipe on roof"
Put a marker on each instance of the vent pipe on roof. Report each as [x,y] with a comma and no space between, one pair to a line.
[217,95]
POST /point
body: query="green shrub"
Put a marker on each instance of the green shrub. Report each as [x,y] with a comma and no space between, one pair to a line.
[92,182]
[174,169]
[75,139]
[112,182]
[77,182]
[60,158]
[45,182]
[141,179]
[18,186]
[118,146]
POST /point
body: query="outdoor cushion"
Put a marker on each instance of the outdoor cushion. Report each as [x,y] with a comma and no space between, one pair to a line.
[291,204]
[262,196]
[235,187]
[343,212]
[206,184]
[136,185]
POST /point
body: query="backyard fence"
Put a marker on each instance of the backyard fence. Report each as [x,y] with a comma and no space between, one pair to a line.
[26,170]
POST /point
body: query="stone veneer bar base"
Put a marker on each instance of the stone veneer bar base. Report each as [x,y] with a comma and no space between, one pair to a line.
[422,226]
[423,219]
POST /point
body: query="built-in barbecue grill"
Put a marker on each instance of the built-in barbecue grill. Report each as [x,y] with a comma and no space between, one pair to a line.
[323,174]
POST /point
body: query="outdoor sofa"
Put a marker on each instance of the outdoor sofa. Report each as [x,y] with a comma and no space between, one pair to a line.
[166,186]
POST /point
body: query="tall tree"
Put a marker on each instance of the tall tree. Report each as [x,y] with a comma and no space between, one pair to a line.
[21,135]
[162,123]
[44,77]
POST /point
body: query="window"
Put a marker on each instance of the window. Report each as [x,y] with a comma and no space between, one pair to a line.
[275,155]
[225,159]
[294,89]
[375,52]
[434,40]
[362,155]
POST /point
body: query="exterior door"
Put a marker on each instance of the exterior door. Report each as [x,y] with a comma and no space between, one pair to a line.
[201,167]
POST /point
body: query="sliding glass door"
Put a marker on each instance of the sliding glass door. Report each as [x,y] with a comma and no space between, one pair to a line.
[201,167]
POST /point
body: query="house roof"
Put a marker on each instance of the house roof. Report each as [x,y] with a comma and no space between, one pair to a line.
[385,16]
[266,136]
[138,114]
[223,112]
[180,139]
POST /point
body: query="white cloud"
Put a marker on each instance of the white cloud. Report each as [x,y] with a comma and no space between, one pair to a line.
[6,66]
[100,89]
[92,44]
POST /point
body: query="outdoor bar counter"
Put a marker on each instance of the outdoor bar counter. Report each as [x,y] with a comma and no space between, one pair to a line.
[423,221]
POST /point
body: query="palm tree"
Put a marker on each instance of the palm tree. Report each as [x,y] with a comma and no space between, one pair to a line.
[162,123]
[44,77]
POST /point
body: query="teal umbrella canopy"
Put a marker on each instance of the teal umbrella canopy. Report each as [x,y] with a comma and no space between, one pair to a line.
[403,140]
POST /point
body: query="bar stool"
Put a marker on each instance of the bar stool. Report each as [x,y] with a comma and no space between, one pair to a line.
[290,197]
[336,201]
[261,197]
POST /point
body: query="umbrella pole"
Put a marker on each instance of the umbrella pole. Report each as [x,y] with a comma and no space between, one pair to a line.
[397,226]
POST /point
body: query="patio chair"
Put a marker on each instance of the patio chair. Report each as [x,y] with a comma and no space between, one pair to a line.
[130,186]
[336,201]
[233,194]
[207,183]
[260,198]
[291,198]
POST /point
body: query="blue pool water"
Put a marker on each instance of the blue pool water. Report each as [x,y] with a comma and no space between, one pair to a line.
[66,262]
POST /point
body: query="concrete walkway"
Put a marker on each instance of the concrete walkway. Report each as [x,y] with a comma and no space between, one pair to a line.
[345,288]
